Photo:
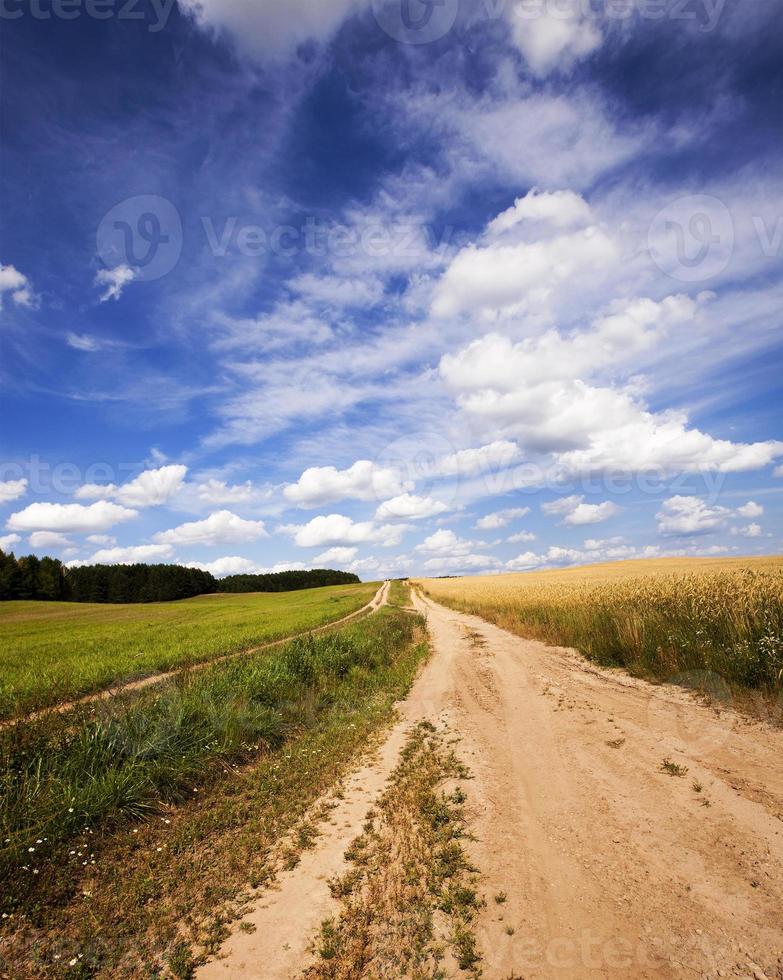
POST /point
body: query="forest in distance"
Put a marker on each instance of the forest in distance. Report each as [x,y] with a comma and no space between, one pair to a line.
[30,577]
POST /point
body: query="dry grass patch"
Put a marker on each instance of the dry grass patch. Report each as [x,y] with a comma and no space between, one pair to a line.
[409,898]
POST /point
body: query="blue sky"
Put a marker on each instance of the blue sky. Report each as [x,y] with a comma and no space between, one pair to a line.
[398,287]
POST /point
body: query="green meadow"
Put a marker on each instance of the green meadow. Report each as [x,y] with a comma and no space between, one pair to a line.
[55,651]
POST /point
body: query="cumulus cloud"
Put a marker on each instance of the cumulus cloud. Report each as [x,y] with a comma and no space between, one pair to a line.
[409,506]
[18,285]
[575,511]
[337,529]
[446,542]
[561,209]
[364,480]
[221,527]
[752,530]
[457,563]
[48,539]
[215,491]
[99,516]
[7,541]
[750,509]
[114,281]
[521,536]
[336,556]
[685,516]
[540,391]
[229,565]
[553,36]
[268,28]
[104,539]
[12,490]
[149,489]
[594,551]
[500,518]
[126,556]
[497,455]
[506,280]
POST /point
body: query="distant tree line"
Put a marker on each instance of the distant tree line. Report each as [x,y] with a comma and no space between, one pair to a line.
[286,581]
[30,577]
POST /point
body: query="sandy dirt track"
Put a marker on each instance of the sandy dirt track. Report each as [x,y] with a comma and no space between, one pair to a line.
[611,866]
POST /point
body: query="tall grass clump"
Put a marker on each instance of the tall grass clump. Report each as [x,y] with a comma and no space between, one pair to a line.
[66,776]
[729,623]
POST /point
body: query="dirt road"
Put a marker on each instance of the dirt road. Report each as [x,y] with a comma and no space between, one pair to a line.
[611,865]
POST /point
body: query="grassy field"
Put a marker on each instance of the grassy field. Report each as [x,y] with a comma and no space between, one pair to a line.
[54,651]
[195,791]
[662,618]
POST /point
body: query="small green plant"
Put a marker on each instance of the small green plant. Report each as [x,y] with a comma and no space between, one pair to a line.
[673,769]
[500,898]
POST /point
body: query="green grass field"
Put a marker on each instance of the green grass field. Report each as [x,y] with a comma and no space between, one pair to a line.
[129,829]
[55,651]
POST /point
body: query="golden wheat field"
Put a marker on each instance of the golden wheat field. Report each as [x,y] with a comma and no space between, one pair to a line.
[660,618]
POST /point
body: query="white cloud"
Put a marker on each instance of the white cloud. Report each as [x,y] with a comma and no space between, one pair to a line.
[446,542]
[609,549]
[364,480]
[114,280]
[18,285]
[501,518]
[750,509]
[48,539]
[221,527]
[336,529]
[82,341]
[286,323]
[577,512]
[599,544]
[684,516]
[140,553]
[101,539]
[561,209]
[540,138]
[229,565]
[553,36]
[12,490]
[99,516]
[505,280]
[455,563]
[778,471]
[335,556]
[220,492]
[149,489]
[8,541]
[521,536]
[751,530]
[467,462]
[538,390]
[409,506]
[338,292]
[268,28]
